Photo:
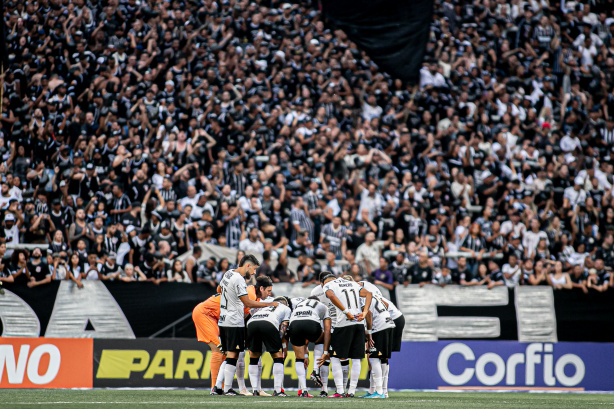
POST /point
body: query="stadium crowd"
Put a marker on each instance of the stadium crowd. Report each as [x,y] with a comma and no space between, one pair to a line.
[134,131]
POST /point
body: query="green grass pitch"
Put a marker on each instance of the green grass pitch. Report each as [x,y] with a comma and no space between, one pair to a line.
[176,399]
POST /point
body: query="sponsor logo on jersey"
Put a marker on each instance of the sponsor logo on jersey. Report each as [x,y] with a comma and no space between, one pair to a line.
[302,313]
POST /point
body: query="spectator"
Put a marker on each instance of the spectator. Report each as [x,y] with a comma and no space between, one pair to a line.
[539,275]
[92,267]
[383,276]
[443,277]
[281,274]
[110,270]
[130,274]
[512,272]
[253,242]
[300,222]
[11,231]
[336,234]
[463,274]
[331,266]
[496,276]
[207,272]
[599,278]
[177,273]
[474,243]
[222,267]
[422,273]
[216,133]
[559,279]
[579,278]
[38,271]
[73,269]
[368,252]
[265,268]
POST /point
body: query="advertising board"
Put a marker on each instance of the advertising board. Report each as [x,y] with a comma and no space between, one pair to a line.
[46,363]
[503,365]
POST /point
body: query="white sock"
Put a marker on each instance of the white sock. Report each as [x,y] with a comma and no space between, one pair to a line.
[337,375]
[229,376]
[260,374]
[346,372]
[318,350]
[253,377]
[241,371]
[278,376]
[385,371]
[219,382]
[371,382]
[376,374]
[302,376]
[324,371]
[356,368]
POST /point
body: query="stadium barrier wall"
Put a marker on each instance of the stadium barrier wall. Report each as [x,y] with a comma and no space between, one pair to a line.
[443,365]
[503,365]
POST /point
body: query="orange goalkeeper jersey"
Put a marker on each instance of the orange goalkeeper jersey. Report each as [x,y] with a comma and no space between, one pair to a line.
[211,306]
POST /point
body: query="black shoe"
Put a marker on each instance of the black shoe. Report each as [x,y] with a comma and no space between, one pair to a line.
[349,395]
[231,392]
[323,394]
[256,393]
[316,378]
[217,391]
[282,394]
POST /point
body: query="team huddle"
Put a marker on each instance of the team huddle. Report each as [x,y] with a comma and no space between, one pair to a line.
[343,319]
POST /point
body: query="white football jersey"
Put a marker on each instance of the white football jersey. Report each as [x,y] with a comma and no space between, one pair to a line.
[332,311]
[348,293]
[231,308]
[274,315]
[254,310]
[310,310]
[380,316]
[296,301]
[372,288]
[392,309]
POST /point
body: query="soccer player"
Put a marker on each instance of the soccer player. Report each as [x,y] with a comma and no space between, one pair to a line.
[367,284]
[268,327]
[234,299]
[205,316]
[397,337]
[320,375]
[263,293]
[348,339]
[308,319]
[379,333]
[262,290]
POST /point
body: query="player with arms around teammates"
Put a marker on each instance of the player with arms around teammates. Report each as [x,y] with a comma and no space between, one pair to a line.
[397,334]
[267,328]
[234,298]
[379,340]
[310,322]
[348,339]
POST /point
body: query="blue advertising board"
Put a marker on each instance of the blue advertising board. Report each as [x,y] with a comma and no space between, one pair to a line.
[479,365]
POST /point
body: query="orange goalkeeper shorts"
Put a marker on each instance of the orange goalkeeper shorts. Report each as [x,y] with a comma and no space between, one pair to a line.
[206,328]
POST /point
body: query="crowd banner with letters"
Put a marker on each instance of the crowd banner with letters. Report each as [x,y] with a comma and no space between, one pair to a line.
[143,309]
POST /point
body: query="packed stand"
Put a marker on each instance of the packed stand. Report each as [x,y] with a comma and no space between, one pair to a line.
[133,132]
